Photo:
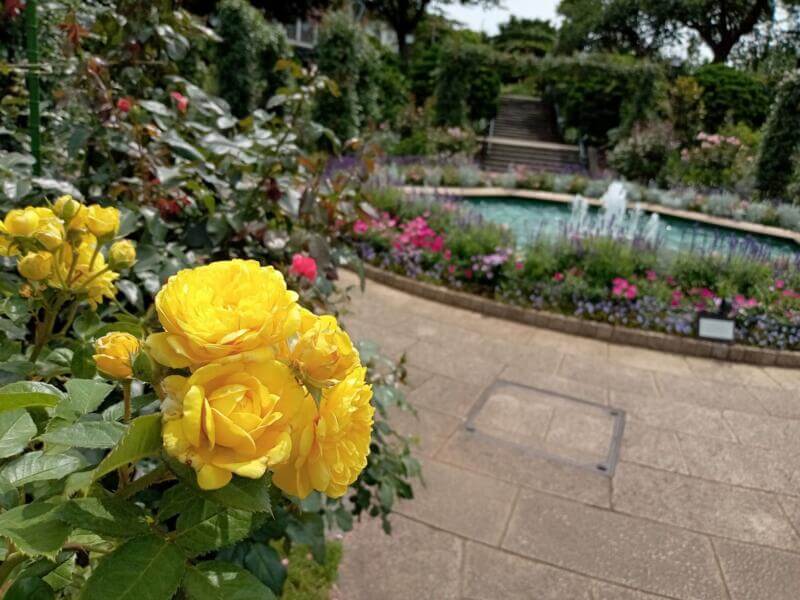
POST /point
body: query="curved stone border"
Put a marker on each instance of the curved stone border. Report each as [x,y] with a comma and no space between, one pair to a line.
[686,215]
[577,326]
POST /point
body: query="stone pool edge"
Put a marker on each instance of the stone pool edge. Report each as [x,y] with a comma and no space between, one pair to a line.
[687,215]
[653,340]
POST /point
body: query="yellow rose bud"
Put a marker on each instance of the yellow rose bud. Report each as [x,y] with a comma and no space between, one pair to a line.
[230,418]
[220,310]
[114,354]
[323,353]
[330,444]
[22,222]
[122,255]
[66,207]
[35,266]
[50,235]
[102,222]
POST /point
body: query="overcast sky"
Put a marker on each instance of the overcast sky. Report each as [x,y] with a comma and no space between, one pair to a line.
[481,19]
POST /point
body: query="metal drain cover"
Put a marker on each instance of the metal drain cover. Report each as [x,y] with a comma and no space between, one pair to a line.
[550,424]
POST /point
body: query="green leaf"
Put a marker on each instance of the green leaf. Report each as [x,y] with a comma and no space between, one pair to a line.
[86,434]
[29,588]
[308,529]
[109,517]
[142,439]
[23,394]
[36,529]
[82,363]
[16,430]
[243,493]
[264,562]
[175,500]
[38,466]
[145,568]
[85,396]
[218,580]
[205,526]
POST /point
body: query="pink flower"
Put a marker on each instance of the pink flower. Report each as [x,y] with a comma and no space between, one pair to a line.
[124,105]
[706,293]
[181,101]
[451,269]
[519,265]
[651,275]
[360,227]
[468,273]
[304,266]
[558,277]
[447,254]
[677,296]
[780,284]
[631,292]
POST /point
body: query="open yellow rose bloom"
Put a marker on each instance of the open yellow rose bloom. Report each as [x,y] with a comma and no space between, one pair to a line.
[256,362]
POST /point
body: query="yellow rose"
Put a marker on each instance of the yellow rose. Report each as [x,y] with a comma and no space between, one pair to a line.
[7,245]
[221,310]
[330,445]
[230,418]
[122,254]
[322,353]
[114,354]
[50,231]
[21,222]
[71,211]
[35,266]
[89,275]
[102,222]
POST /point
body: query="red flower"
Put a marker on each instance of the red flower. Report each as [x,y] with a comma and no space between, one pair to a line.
[124,105]
[181,101]
[558,277]
[304,266]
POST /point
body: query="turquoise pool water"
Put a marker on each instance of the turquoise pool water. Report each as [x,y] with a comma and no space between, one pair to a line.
[531,219]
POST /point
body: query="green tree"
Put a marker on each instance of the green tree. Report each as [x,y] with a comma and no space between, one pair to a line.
[781,140]
[525,36]
[404,16]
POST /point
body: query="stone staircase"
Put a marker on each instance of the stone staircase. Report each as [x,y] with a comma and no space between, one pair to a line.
[524,133]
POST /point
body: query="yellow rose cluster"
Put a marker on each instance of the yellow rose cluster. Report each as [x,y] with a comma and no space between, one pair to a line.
[270,386]
[60,247]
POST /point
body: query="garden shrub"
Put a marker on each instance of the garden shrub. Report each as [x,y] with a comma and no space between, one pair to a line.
[781,139]
[687,111]
[789,216]
[245,60]
[732,95]
[348,58]
[643,155]
[597,93]
[467,84]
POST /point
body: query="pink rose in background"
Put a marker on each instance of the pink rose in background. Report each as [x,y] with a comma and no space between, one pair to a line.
[558,277]
[652,275]
[124,105]
[780,284]
[677,296]
[304,266]
[181,101]
[631,292]
[360,227]
[519,265]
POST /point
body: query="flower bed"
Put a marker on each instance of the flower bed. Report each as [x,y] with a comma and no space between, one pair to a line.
[621,282]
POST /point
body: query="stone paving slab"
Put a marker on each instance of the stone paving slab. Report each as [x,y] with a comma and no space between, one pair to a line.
[704,505]
[471,505]
[626,550]
[756,573]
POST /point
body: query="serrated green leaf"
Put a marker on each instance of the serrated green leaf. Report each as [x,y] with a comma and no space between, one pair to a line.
[243,493]
[308,529]
[16,430]
[142,439]
[85,396]
[175,501]
[36,529]
[86,434]
[109,517]
[264,562]
[218,580]
[205,526]
[29,588]
[23,394]
[144,568]
[38,466]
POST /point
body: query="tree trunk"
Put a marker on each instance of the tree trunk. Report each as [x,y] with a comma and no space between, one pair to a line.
[402,46]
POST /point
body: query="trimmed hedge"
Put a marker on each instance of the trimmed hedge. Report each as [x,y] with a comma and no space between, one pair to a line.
[781,140]
[598,93]
[730,94]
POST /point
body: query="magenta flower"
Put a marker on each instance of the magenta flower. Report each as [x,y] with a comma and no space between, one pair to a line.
[652,275]
[558,277]
[360,227]
[304,266]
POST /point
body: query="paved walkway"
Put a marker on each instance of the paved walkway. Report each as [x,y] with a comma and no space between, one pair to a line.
[704,502]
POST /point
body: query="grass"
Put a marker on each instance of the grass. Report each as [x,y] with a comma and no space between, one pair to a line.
[306,578]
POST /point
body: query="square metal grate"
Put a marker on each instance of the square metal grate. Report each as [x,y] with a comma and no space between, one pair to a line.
[550,424]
